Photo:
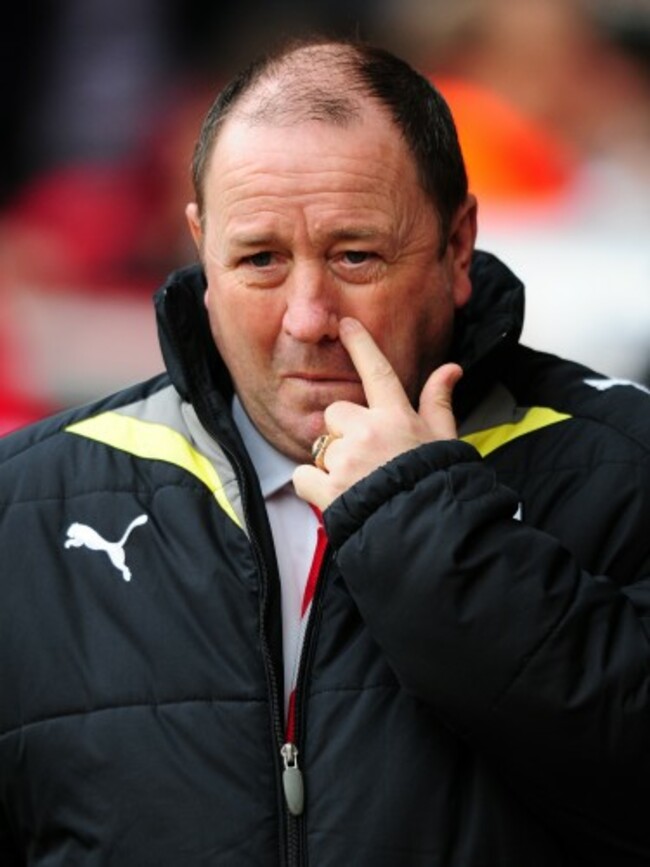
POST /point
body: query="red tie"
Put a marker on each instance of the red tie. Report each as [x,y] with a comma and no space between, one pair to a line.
[307,598]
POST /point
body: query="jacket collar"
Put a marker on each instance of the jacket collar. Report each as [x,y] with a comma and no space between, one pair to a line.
[486,329]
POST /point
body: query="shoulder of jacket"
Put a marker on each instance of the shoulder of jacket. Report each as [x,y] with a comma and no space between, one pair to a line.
[37,442]
[613,408]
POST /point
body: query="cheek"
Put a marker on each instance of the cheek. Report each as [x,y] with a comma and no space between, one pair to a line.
[413,332]
[244,324]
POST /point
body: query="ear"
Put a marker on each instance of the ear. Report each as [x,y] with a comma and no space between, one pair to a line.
[194,222]
[460,248]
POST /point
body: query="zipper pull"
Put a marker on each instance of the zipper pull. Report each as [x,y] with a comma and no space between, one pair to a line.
[294,792]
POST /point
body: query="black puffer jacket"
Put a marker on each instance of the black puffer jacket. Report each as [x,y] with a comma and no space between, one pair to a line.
[474,689]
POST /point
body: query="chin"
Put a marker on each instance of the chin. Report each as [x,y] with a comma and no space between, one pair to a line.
[293,435]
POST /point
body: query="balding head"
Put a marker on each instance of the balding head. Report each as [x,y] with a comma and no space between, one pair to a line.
[312,82]
[330,82]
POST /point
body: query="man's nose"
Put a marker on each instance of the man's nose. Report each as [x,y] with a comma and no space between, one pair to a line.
[311,313]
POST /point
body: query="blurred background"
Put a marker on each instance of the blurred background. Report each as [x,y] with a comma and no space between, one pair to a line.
[102,101]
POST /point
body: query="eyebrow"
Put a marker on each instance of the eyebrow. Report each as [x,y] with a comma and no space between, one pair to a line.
[257,240]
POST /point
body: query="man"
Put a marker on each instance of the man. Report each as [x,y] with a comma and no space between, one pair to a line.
[431,649]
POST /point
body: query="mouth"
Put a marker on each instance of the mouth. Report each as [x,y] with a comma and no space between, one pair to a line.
[330,379]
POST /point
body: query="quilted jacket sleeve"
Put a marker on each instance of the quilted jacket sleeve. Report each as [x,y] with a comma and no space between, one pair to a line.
[8,857]
[542,667]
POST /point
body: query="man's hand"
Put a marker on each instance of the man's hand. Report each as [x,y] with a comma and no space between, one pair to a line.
[367,437]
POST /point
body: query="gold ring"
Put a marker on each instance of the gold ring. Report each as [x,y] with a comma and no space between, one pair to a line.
[320,446]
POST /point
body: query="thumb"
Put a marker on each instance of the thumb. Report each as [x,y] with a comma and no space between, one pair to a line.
[435,401]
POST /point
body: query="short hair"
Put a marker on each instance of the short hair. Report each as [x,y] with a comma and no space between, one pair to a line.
[303,81]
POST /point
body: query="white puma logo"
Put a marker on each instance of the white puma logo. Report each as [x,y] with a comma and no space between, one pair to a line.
[82,536]
[606,384]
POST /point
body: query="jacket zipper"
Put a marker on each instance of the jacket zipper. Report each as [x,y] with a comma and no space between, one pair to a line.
[292,779]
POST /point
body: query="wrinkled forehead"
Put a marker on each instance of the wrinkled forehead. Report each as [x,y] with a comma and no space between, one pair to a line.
[271,180]
[367,143]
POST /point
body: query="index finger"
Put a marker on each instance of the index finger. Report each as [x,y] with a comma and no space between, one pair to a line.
[380,382]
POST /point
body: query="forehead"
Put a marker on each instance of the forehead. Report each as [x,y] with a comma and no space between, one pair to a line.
[368,154]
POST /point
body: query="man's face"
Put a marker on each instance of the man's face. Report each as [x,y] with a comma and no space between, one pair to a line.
[306,224]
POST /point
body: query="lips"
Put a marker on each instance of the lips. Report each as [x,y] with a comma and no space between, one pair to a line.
[324,377]
[315,391]
[327,386]
[319,381]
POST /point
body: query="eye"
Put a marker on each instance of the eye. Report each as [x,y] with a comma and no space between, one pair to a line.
[259,260]
[357,257]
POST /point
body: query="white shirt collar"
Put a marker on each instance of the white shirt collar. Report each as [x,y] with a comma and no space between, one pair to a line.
[274,469]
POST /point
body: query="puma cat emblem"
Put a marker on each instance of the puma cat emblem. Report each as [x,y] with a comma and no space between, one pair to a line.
[83,536]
